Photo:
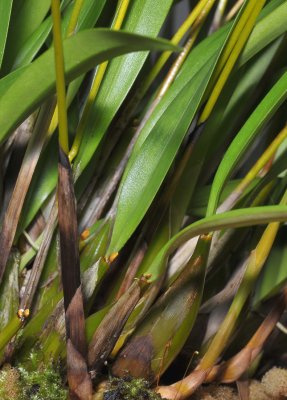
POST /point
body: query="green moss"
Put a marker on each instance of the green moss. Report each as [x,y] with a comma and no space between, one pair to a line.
[32,380]
[130,389]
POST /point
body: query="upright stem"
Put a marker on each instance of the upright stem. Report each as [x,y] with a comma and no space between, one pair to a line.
[233,49]
[70,31]
[79,380]
[60,77]
[218,16]
[74,17]
[178,36]
[38,265]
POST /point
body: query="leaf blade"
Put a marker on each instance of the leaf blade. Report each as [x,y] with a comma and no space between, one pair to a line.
[5,13]
[244,138]
[80,56]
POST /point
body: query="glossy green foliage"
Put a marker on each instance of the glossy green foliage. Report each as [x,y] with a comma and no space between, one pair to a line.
[162,135]
[247,134]
[230,219]
[117,82]
[88,17]
[5,13]
[155,197]
[82,52]
[26,18]
[120,76]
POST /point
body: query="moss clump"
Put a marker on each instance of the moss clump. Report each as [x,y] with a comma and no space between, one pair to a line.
[216,392]
[275,383]
[45,383]
[257,391]
[9,383]
[32,380]
[130,389]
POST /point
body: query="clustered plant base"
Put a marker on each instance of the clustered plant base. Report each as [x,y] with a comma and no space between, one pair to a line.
[143,199]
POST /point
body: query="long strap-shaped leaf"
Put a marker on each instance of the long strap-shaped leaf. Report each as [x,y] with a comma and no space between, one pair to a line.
[24,21]
[244,138]
[162,135]
[31,158]
[82,52]
[254,265]
[15,205]
[35,86]
[166,327]
[178,307]
[230,219]
[271,18]
[5,13]
[234,368]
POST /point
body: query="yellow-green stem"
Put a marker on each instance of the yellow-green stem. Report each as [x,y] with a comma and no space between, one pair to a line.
[253,172]
[98,78]
[71,28]
[184,28]
[74,17]
[238,29]
[232,58]
[254,266]
[60,77]
[263,194]
[177,64]
[234,10]
[120,14]
[263,160]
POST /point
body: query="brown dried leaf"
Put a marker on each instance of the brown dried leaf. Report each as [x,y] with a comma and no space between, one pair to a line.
[14,209]
[78,376]
[110,328]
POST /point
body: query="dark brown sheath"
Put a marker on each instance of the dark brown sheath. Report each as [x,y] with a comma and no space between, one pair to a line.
[78,377]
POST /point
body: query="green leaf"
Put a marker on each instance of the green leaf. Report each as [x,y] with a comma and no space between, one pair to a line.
[98,123]
[268,106]
[144,17]
[157,146]
[162,135]
[24,21]
[82,52]
[232,106]
[89,14]
[87,19]
[31,47]
[199,201]
[94,320]
[230,219]
[5,13]
[169,322]
[118,80]
[233,103]
[228,110]
[274,274]
[271,25]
